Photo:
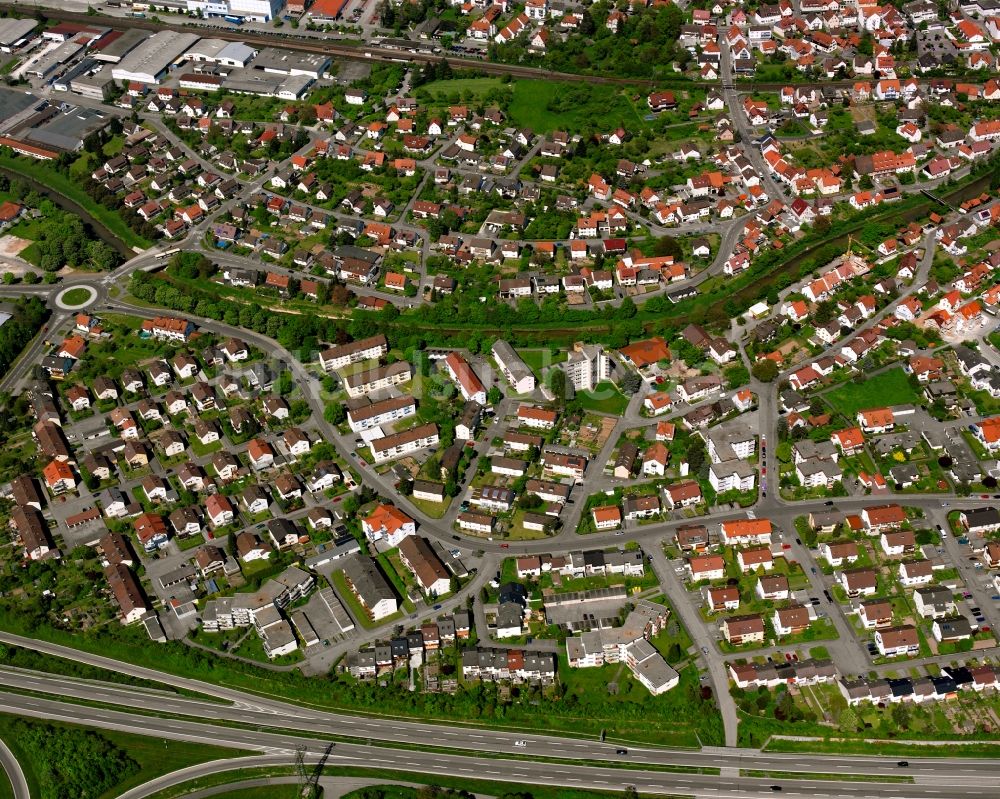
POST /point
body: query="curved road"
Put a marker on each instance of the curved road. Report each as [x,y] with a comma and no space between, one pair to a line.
[14,772]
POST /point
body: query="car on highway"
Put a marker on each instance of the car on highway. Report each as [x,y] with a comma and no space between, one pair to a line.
[775,787]
[505,546]
[903,763]
[437,607]
[621,751]
[520,744]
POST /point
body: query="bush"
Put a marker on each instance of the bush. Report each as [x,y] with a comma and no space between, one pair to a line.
[765,370]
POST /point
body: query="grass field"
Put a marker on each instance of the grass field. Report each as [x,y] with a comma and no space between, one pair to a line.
[605,398]
[891,387]
[475,88]
[545,106]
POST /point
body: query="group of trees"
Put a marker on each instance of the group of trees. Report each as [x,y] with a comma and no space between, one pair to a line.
[71,761]
[64,239]
[644,45]
[29,316]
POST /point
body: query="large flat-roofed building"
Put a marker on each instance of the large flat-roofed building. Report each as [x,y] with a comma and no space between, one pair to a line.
[287,62]
[16,108]
[95,84]
[285,87]
[256,10]
[149,63]
[45,65]
[67,127]
[117,47]
[219,51]
[207,50]
[236,54]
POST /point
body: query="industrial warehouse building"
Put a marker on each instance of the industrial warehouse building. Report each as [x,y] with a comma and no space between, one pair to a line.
[149,63]
[15,33]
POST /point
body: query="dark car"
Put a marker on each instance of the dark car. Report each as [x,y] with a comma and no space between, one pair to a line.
[903,763]
[621,751]
[775,787]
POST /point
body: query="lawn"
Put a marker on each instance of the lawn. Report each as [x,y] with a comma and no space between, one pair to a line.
[433,509]
[891,387]
[538,360]
[75,297]
[546,105]
[605,398]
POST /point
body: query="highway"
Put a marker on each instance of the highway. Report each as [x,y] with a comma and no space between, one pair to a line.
[946,778]
[271,723]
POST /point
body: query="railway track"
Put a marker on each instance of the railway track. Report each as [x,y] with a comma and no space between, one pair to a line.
[364,52]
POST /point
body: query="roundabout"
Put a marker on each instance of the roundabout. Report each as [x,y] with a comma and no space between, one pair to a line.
[76,298]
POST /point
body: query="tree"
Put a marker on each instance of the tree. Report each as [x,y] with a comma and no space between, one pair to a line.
[335,413]
[307,114]
[667,245]
[849,720]
[630,383]
[696,455]
[901,715]
[765,370]
[557,385]
[494,395]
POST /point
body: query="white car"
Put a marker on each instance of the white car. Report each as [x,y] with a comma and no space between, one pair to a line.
[520,744]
